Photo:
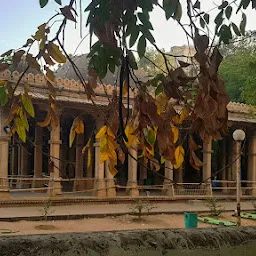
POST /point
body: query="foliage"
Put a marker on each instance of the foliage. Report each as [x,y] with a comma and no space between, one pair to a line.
[215,208]
[169,103]
[141,206]
[238,72]
[47,210]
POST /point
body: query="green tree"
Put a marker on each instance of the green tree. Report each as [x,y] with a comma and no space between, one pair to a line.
[238,72]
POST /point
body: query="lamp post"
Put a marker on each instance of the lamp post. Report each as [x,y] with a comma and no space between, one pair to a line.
[238,136]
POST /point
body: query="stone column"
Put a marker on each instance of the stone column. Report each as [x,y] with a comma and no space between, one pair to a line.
[23,166]
[207,158]
[252,163]
[168,184]
[38,157]
[143,171]
[78,184]
[132,172]
[4,154]
[110,183]
[55,159]
[207,167]
[99,180]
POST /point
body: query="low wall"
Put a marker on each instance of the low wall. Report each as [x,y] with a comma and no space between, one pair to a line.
[142,242]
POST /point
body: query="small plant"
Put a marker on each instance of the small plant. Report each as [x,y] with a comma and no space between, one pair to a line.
[141,206]
[215,208]
[46,210]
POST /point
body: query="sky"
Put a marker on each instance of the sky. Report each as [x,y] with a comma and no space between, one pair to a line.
[20,20]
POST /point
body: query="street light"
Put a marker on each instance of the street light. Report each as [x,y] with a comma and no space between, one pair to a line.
[238,136]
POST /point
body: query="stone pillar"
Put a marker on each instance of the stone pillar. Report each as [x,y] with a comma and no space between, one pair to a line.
[99,180]
[78,184]
[110,182]
[179,174]
[252,163]
[207,167]
[168,182]
[38,157]
[143,171]
[207,158]
[23,166]
[4,154]
[55,142]
[132,173]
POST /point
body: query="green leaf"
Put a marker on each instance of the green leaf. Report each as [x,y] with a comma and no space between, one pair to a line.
[134,36]
[178,13]
[24,120]
[142,46]
[243,24]
[132,60]
[202,22]
[27,104]
[225,34]
[3,96]
[218,19]
[207,18]
[111,65]
[147,34]
[20,129]
[9,52]
[144,18]
[150,136]
[223,5]
[170,7]
[235,29]
[92,5]
[58,2]
[43,3]
[228,12]
[159,89]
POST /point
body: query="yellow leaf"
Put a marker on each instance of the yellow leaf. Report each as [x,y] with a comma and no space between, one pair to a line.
[24,120]
[150,150]
[27,104]
[112,169]
[103,143]
[49,73]
[72,136]
[125,88]
[86,147]
[184,114]
[110,133]
[103,157]
[46,122]
[101,132]
[175,132]
[176,119]
[132,139]
[89,158]
[179,156]
[40,32]
[56,53]
[161,103]
[79,125]
[20,129]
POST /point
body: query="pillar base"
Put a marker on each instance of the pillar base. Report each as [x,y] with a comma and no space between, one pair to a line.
[132,189]
[168,189]
[111,189]
[56,189]
[100,189]
[5,194]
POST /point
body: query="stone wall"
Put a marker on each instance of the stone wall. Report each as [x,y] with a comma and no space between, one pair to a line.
[143,242]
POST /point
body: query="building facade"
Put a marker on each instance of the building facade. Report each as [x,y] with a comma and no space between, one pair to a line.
[46,164]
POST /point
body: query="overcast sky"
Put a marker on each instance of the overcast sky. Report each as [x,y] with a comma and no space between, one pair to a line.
[20,18]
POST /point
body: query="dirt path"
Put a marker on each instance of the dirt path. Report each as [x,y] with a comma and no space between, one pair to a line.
[125,222]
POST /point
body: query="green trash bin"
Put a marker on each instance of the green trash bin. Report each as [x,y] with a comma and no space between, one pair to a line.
[191,219]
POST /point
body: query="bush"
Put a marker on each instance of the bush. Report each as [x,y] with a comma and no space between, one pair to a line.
[215,208]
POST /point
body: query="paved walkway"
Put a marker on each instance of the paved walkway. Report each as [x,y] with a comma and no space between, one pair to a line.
[92,210]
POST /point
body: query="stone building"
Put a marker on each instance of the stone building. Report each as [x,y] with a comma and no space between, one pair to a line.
[25,168]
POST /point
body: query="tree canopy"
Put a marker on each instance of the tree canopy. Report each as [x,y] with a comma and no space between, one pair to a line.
[119,32]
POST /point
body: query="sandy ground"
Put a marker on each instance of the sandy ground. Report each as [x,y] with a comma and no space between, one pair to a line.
[125,222]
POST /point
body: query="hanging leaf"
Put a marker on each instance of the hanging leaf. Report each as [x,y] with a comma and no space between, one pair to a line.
[79,127]
[134,36]
[155,164]
[20,129]
[24,120]
[86,147]
[101,132]
[46,122]
[243,24]
[228,12]
[55,53]
[28,105]
[142,46]
[206,18]
[72,135]
[197,4]
[125,87]
[150,136]
[170,7]
[66,11]
[223,5]
[235,29]
[178,13]
[58,2]
[43,3]
[89,158]
[32,62]
[3,96]
[40,33]
[175,132]
[179,156]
